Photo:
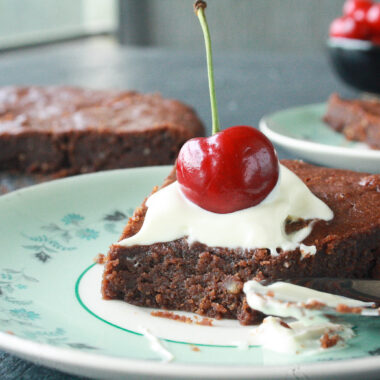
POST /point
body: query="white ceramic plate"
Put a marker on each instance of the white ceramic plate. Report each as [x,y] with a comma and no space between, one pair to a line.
[51,310]
[302,132]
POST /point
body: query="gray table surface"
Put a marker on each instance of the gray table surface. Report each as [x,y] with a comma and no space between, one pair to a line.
[249,85]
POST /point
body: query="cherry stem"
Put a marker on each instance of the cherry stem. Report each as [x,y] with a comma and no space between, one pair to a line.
[199,7]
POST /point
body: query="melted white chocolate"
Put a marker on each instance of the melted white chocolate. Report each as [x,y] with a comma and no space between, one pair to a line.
[171,216]
[288,301]
[156,345]
[297,337]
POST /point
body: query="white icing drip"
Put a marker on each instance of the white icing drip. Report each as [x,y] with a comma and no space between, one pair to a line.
[242,344]
[171,216]
[156,345]
[286,300]
[273,335]
[18,121]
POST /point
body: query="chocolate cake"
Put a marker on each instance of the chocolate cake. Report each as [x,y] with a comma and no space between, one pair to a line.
[46,129]
[357,119]
[209,280]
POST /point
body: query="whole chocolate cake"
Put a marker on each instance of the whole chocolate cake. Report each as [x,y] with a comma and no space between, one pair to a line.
[47,129]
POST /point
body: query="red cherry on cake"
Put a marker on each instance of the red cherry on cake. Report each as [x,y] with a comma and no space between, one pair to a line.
[229,171]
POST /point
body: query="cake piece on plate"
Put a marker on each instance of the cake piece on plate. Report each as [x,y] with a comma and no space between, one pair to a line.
[192,276]
[358,120]
[230,213]
[46,129]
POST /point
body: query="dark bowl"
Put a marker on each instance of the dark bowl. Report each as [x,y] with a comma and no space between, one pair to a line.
[356,62]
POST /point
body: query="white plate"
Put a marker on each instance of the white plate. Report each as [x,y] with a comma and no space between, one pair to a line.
[51,311]
[302,132]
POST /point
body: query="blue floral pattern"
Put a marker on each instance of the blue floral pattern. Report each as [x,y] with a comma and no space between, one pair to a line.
[22,313]
[113,220]
[375,352]
[72,219]
[87,233]
[56,337]
[19,311]
[59,237]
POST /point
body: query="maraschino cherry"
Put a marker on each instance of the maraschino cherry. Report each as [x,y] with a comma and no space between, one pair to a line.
[231,170]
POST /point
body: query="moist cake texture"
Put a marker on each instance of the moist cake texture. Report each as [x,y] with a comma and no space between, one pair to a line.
[46,129]
[358,120]
[209,280]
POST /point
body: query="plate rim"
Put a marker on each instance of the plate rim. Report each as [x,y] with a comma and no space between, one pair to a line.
[294,143]
[49,355]
[75,361]
[74,178]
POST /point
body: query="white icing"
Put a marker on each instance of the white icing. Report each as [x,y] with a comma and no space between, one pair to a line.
[171,216]
[298,338]
[242,344]
[288,301]
[156,345]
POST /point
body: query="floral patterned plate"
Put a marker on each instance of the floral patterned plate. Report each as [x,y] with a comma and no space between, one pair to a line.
[302,132]
[51,311]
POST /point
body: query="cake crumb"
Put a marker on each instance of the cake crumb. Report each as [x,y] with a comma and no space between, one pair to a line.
[270,293]
[171,315]
[314,305]
[342,308]
[9,332]
[328,341]
[205,322]
[100,258]
[284,324]
[182,318]
[195,348]
[371,182]
[233,285]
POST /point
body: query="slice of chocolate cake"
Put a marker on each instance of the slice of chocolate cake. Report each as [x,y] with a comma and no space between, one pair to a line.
[358,120]
[207,280]
[46,129]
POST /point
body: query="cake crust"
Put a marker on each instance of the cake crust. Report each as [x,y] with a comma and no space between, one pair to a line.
[46,129]
[209,280]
